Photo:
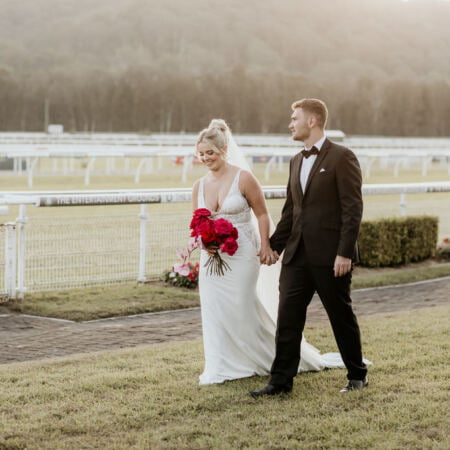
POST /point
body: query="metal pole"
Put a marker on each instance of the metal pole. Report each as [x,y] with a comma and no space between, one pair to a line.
[21,221]
[142,243]
[87,173]
[10,259]
[46,114]
[403,204]
[31,167]
[268,166]
[137,176]
[187,164]
[280,164]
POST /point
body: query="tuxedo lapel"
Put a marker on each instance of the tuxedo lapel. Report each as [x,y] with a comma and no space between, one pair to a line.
[320,157]
[296,173]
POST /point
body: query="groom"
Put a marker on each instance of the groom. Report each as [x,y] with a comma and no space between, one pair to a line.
[317,231]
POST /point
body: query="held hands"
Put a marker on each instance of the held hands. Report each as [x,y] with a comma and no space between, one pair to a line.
[268,256]
[342,266]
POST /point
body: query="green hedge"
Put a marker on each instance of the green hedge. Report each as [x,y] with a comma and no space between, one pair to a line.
[391,242]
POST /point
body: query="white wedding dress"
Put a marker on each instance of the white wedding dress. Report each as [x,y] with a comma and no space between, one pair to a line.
[239,317]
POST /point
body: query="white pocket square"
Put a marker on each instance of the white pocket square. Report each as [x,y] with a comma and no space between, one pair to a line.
[322,170]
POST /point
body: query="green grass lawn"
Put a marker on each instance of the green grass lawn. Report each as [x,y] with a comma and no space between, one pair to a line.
[95,303]
[148,397]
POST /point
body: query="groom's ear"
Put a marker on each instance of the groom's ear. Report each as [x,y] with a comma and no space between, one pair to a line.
[312,120]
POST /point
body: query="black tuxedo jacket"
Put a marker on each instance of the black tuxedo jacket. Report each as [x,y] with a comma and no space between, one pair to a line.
[328,214]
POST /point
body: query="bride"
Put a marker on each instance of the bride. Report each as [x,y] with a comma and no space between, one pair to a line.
[239,308]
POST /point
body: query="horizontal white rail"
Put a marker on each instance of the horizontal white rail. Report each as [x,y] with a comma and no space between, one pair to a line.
[177,195]
[190,138]
[27,149]
[122,150]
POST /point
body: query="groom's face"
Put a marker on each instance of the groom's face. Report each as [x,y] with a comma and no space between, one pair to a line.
[300,125]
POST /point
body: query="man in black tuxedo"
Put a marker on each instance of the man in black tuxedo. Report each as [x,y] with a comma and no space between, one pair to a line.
[318,229]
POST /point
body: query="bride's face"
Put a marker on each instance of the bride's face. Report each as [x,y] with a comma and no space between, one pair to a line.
[209,157]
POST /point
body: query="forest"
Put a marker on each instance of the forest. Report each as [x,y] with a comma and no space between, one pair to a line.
[167,66]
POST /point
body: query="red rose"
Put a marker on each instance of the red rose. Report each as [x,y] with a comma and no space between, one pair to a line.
[206,231]
[196,222]
[202,212]
[234,233]
[200,215]
[222,227]
[229,246]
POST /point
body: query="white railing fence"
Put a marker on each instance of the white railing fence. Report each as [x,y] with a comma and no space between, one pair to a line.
[56,253]
[133,154]
[8,265]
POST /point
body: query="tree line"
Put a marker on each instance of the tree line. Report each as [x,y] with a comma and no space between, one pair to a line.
[252,102]
[168,65]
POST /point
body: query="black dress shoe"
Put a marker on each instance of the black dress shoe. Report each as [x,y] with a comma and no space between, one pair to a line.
[271,389]
[354,385]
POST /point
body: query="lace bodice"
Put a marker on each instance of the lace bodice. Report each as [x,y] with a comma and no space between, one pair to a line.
[235,209]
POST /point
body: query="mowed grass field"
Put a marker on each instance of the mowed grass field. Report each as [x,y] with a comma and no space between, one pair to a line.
[133,298]
[148,397]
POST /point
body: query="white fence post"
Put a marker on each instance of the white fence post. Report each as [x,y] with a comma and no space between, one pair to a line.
[21,221]
[31,164]
[142,243]
[10,259]
[187,165]
[403,204]
[87,173]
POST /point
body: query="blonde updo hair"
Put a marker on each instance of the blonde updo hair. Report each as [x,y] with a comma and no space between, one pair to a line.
[216,135]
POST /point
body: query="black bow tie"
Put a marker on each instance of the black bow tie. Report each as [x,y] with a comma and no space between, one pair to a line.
[308,153]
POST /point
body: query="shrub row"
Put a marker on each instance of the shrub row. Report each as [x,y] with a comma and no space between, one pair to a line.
[392,242]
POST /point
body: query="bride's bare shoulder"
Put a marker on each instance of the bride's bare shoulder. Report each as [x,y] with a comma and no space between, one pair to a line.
[247,176]
[196,185]
[247,181]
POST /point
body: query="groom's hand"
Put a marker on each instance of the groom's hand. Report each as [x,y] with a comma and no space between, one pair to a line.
[268,256]
[342,266]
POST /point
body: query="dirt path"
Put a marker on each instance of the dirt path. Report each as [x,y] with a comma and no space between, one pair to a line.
[24,338]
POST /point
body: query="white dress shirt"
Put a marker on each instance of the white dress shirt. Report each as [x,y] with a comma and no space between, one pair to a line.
[308,163]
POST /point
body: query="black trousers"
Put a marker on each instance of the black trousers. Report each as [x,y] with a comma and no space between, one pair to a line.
[298,283]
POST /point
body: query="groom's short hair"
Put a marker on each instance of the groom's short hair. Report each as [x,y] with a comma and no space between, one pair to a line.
[313,106]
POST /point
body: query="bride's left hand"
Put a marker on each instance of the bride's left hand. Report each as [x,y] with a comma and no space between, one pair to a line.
[267,256]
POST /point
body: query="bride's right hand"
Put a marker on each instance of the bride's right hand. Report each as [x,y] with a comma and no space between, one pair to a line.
[212,249]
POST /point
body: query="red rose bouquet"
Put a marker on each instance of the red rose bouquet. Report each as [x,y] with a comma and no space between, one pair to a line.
[218,234]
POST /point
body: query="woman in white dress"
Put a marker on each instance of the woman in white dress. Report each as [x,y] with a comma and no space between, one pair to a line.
[238,308]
